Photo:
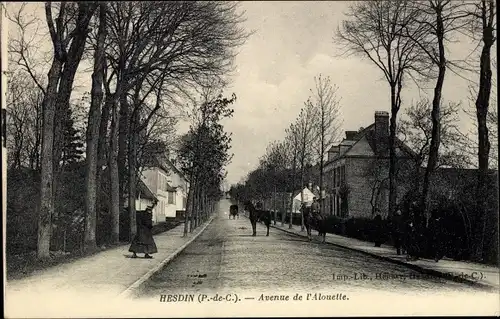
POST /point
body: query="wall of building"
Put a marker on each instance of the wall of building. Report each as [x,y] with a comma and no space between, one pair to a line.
[150,178]
[363,176]
[142,203]
[180,199]
[156,179]
[334,174]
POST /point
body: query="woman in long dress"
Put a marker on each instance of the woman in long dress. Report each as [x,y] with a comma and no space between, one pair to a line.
[143,241]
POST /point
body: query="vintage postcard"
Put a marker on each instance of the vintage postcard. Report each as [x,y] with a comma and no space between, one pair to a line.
[249,159]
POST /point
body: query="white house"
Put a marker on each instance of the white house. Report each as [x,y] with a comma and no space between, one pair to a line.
[297,199]
[170,187]
[145,197]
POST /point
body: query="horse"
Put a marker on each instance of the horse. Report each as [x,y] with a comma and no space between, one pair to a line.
[233,211]
[316,221]
[256,215]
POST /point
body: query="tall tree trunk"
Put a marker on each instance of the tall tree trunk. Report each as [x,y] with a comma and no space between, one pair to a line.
[196,197]
[189,201]
[290,225]
[114,175]
[93,134]
[482,105]
[283,212]
[47,178]
[321,172]
[274,204]
[393,186]
[123,127]
[103,146]
[85,12]
[200,208]
[302,226]
[207,202]
[199,205]
[436,121]
[132,173]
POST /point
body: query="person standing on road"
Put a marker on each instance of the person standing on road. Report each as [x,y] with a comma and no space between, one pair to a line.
[143,241]
[315,206]
[437,233]
[397,231]
[377,229]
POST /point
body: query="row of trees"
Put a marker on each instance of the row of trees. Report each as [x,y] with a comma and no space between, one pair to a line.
[147,59]
[287,165]
[204,152]
[411,41]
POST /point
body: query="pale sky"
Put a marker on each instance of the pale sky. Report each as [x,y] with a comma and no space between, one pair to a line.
[277,65]
[293,43]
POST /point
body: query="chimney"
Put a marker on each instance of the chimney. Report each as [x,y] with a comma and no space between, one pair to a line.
[381,131]
[333,152]
[350,135]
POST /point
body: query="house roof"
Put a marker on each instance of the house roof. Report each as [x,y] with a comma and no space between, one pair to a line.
[178,171]
[369,133]
[297,192]
[167,165]
[144,190]
[170,188]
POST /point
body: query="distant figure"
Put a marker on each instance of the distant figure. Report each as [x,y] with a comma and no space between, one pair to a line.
[315,206]
[143,241]
[397,230]
[377,229]
[233,211]
[308,219]
[438,234]
[412,241]
[314,219]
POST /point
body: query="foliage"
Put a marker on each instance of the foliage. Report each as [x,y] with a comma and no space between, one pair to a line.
[204,150]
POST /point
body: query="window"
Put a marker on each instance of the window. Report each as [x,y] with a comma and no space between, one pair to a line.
[331,205]
[337,210]
[171,197]
[162,182]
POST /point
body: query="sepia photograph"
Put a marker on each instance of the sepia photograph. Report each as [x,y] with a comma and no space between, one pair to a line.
[250,159]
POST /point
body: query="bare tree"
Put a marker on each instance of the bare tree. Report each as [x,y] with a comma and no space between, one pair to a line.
[59,39]
[274,162]
[94,118]
[307,133]
[170,45]
[439,19]
[77,25]
[484,15]
[23,45]
[158,139]
[373,30]
[376,173]
[293,144]
[24,108]
[327,107]
[415,130]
